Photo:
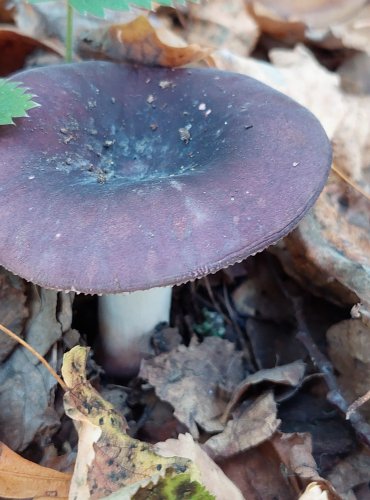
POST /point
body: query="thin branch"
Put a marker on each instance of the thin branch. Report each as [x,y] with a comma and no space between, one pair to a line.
[346,179]
[36,354]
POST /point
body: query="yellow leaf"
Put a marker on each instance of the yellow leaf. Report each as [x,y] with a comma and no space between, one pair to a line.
[108,459]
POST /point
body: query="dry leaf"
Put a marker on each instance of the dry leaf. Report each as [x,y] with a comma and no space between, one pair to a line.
[294,21]
[139,42]
[349,351]
[15,46]
[251,425]
[291,375]
[27,410]
[212,476]
[13,311]
[222,24]
[328,253]
[351,472]
[108,459]
[20,478]
[189,377]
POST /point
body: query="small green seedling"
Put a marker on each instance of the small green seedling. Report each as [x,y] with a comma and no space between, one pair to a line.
[97,8]
[15,101]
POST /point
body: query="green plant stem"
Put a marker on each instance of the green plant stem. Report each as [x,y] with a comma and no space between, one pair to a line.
[69,33]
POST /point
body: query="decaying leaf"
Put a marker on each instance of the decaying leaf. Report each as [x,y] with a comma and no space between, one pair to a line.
[139,42]
[251,425]
[20,478]
[290,375]
[189,379]
[212,476]
[108,459]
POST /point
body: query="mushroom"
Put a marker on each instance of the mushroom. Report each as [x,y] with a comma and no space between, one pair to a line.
[132,179]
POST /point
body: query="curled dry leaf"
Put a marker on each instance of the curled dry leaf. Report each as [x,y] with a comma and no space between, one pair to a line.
[251,425]
[108,459]
[222,24]
[212,476]
[291,375]
[20,478]
[189,378]
[138,42]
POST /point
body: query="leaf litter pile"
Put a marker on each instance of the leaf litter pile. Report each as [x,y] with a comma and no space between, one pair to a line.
[247,393]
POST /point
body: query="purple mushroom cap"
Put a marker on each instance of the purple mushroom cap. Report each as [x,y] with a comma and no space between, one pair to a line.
[128,178]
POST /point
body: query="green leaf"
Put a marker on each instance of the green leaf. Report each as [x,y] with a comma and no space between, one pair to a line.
[96,7]
[177,487]
[15,101]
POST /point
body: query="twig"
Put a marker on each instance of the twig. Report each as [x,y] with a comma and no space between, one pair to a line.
[346,179]
[356,404]
[36,354]
[334,396]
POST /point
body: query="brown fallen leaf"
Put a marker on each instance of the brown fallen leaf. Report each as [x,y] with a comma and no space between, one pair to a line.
[139,42]
[189,379]
[281,467]
[351,472]
[349,351]
[20,478]
[291,375]
[15,46]
[251,425]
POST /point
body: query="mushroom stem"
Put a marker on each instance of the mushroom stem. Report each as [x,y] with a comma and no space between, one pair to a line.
[126,323]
